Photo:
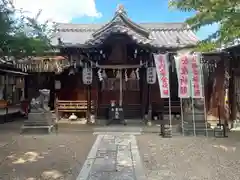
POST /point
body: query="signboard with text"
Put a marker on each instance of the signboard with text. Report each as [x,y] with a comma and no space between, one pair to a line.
[189,76]
[196,77]
[151,75]
[162,69]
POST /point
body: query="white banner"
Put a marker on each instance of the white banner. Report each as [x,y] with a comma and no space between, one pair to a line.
[151,75]
[196,76]
[87,75]
[162,69]
[183,67]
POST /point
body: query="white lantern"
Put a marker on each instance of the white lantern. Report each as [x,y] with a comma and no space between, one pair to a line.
[87,76]
[151,75]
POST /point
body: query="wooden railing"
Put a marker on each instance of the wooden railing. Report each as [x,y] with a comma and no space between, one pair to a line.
[73,106]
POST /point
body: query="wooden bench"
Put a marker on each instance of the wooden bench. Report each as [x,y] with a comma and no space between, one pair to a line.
[73,106]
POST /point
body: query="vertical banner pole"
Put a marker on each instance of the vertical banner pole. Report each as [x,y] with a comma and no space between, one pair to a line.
[204,98]
[192,97]
[170,112]
[120,93]
[169,99]
[181,105]
[205,112]
[193,114]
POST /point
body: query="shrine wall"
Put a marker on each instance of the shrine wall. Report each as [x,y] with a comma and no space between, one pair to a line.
[72,87]
[215,92]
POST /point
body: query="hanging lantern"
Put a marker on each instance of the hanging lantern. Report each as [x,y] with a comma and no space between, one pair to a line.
[87,76]
[151,75]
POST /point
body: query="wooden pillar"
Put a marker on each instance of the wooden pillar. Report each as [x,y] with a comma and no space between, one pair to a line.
[142,90]
[26,81]
[99,97]
[149,102]
[120,89]
[231,91]
[5,87]
[52,91]
[88,101]
[218,93]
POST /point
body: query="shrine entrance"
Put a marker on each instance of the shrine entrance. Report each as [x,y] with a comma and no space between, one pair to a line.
[122,85]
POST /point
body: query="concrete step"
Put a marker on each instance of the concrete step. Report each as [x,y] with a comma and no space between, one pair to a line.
[37,124]
[200,133]
[197,125]
[37,129]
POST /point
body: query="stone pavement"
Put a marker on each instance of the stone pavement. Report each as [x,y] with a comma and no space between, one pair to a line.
[114,156]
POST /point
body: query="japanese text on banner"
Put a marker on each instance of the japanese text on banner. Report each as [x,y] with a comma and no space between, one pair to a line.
[183,77]
[162,69]
[197,91]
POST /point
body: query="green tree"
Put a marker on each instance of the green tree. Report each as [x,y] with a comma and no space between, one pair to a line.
[224,12]
[20,35]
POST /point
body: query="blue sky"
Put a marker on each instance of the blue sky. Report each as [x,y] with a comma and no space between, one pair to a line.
[142,11]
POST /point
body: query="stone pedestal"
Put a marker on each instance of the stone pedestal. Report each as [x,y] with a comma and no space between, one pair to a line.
[39,119]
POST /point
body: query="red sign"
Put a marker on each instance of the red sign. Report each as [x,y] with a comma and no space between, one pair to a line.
[161,62]
[184,90]
[196,77]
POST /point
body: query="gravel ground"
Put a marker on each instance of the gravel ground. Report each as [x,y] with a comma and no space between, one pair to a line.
[43,157]
[190,158]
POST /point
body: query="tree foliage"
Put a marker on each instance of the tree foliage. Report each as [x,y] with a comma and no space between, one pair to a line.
[226,13]
[21,36]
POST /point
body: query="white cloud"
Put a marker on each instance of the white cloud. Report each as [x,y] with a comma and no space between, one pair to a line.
[58,10]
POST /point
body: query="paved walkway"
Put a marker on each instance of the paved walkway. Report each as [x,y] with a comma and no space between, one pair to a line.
[114,156]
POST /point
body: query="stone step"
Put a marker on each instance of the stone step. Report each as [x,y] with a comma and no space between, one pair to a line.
[197,118]
[195,122]
[199,132]
[203,125]
[37,124]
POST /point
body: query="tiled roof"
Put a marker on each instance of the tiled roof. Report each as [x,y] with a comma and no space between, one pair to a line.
[232,45]
[169,35]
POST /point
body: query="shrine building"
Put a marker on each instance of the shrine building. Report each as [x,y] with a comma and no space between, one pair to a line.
[119,48]
[96,64]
